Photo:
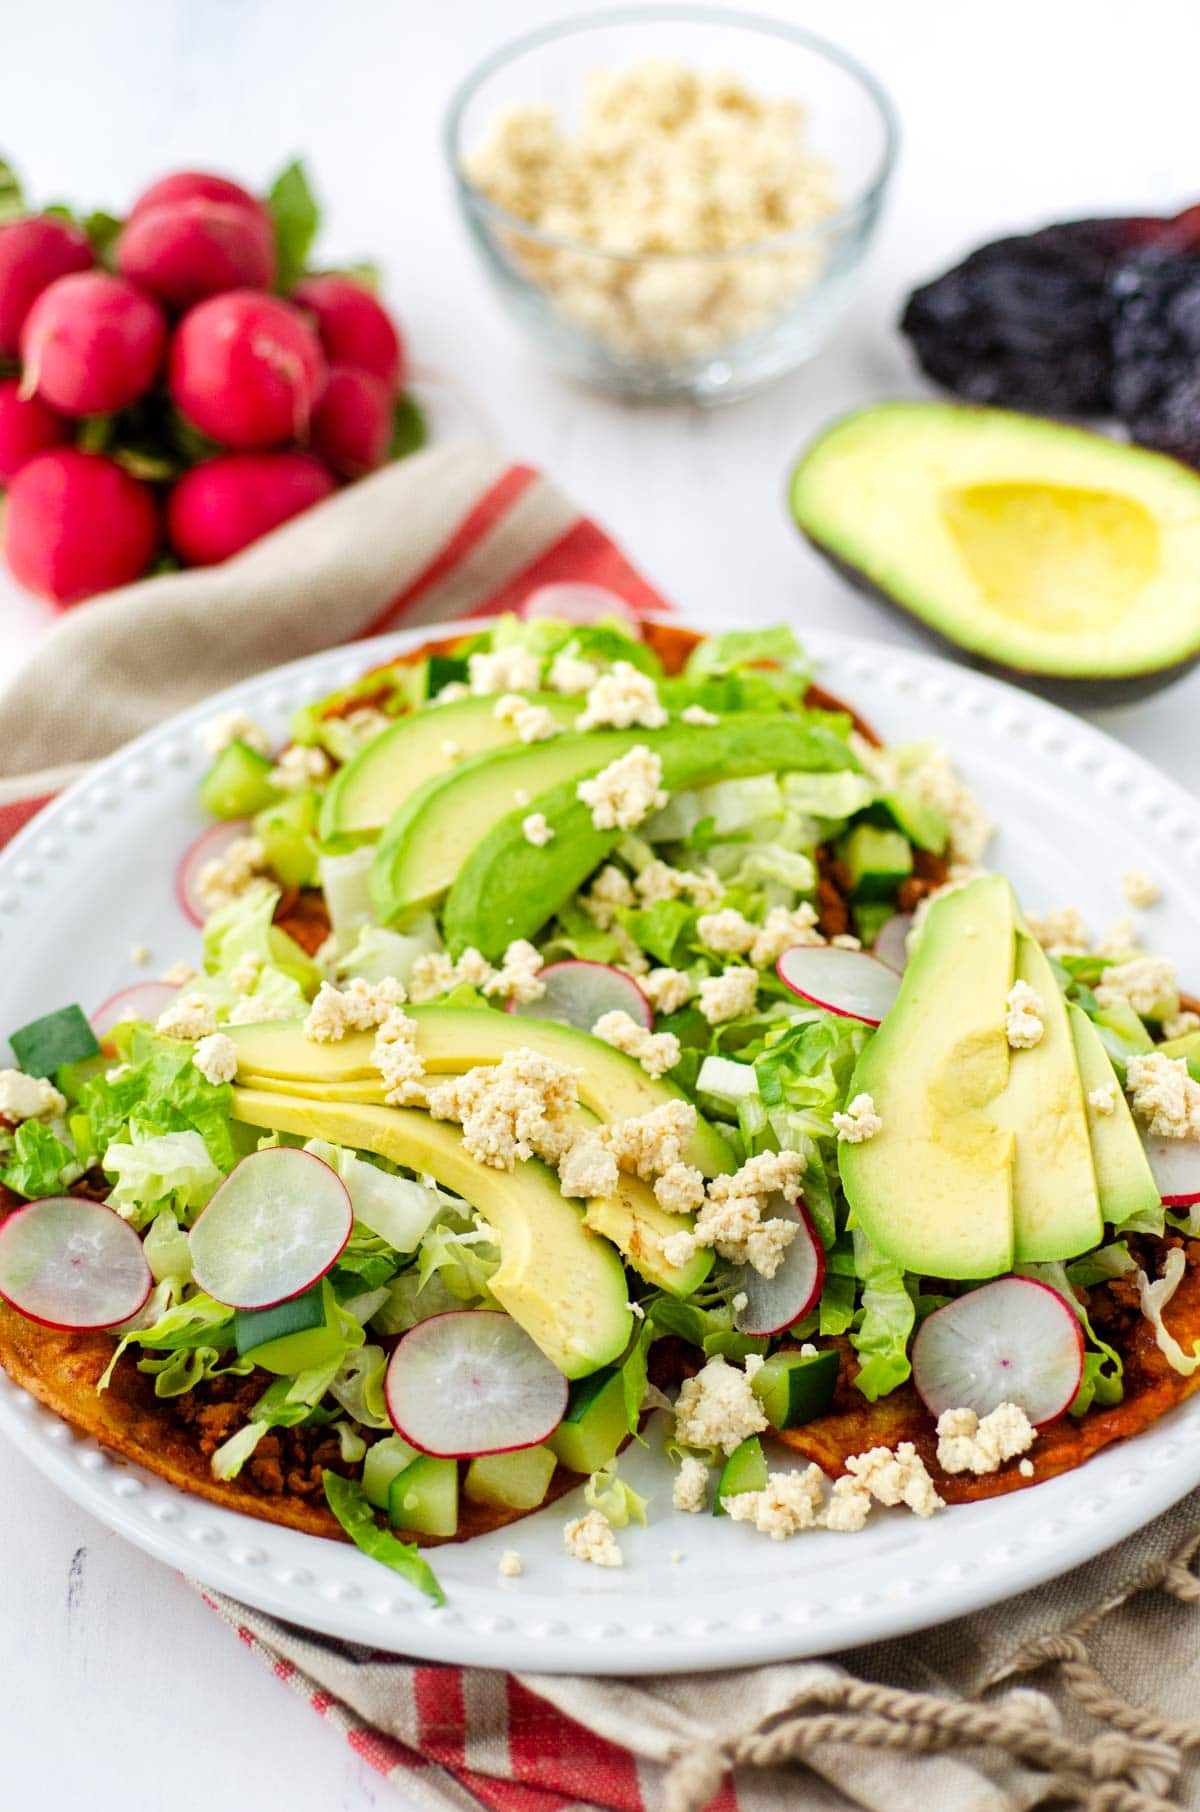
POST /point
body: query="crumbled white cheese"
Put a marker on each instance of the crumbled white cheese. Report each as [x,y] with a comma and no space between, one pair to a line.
[626,791]
[717,1408]
[178,975]
[216,1057]
[1103,1100]
[1023,1025]
[140,955]
[588,1169]
[1164,1095]
[1178,1025]
[533,723]
[434,974]
[696,714]
[657,1052]
[1147,982]
[690,1489]
[504,670]
[650,1143]
[535,830]
[591,1538]
[452,693]
[245,973]
[666,989]
[509,1565]
[226,877]
[233,726]
[848,1507]
[1026,1469]
[25,1097]
[519,1108]
[731,1217]
[740,1301]
[1119,942]
[520,796]
[394,1054]
[298,768]
[897,1477]
[784,927]
[188,1016]
[1140,889]
[1062,931]
[970,1443]
[789,1502]
[253,1010]
[659,881]
[728,995]
[620,699]
[519,975]
[935,783]
[364,724]
[859,1122]
[570,674]
[359,1007]
[610,889]
[726,933]
[846,940]
[680,1189]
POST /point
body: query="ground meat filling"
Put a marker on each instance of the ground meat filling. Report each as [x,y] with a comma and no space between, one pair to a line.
[286,1460]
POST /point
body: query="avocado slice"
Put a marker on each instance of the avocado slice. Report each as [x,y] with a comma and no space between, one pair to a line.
[365,792]
[635,1223]
[1042,548]
[502,887]
[561,1283]
[1056,1207]
[453,1039]
[933,1189]
[1123,1175]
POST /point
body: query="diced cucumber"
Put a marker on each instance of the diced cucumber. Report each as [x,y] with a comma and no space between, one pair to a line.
[511,1481]
[744,1470]
[794,1389]
[424,1497]
[288,832]
[383,1460]
[63,1036]
[236,785]
[922,824]
[293,1335]
[876,860]
[595,1424]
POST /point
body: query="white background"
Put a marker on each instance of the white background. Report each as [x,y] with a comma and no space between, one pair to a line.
[120,1689]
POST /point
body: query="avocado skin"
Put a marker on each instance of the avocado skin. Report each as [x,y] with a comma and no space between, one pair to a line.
[508,889]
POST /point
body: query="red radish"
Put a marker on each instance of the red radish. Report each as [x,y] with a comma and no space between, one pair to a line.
[78,523]
[472,1382]
[26,427]
[847,982]
[198,185]
[144,1000]
[246,369]
[352,428]
[33,253]
[577,603]
[354,328]
[92,344]
[69,1263]
[1176,1167]
[1012,1341]
[182,251]
[779,1302]
[207,847]
[223,504]
[580,993]
[891,941]
[275,1226]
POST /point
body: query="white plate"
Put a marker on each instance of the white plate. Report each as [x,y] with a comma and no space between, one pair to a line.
[93,875]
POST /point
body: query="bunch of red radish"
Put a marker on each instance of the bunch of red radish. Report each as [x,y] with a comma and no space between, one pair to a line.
[270,402]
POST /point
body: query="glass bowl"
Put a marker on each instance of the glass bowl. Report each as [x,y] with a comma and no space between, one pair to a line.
[680,325]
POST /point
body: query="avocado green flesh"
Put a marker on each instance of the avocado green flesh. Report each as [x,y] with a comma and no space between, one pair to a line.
[634,1222]
[1046,548]
[365,792]
[933,1189]
[503,887]
[1123,1175]
[453,1039]
[556,1279]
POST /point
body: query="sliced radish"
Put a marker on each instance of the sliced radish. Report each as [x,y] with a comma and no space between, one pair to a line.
[472,1382]
[274,1227]
[776,1303]
[577,603]
[846,982]
[144,1000]
[580,993]
[71,1263]
[1176,1167]
[1012,1341]
[208,846]
[891,941]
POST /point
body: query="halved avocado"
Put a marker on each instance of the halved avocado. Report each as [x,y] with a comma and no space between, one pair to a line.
[1043,549]
[557,1279]
[365,792]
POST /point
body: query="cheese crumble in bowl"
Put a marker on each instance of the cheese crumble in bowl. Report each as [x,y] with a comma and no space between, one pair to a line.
[674,202]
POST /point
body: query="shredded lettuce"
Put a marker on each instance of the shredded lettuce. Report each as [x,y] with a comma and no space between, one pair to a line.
[161,1091]
[376,953]
[245,929]
[354,1513]
[200,1321]
[614,1498]
[168,1253]
[463,1255]
[40,1163]
[395,1208]
[410,1300]
[358,1386]
[887,1319]
[182,1370]
[804,1071]
[152,1168]
[1155,1297]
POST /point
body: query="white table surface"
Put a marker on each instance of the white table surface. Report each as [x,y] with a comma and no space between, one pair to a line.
[121,1690]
